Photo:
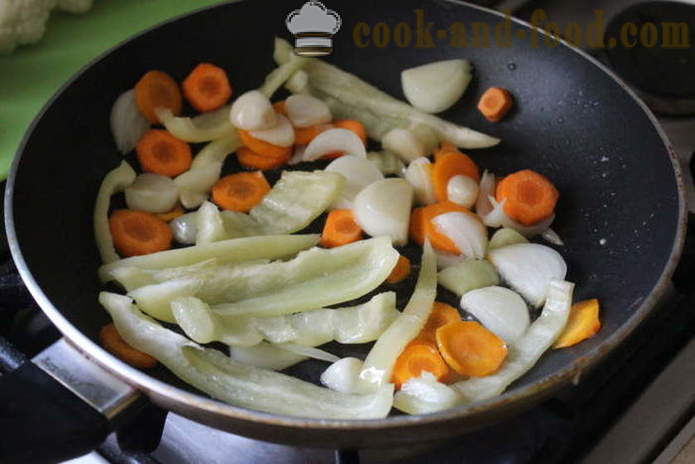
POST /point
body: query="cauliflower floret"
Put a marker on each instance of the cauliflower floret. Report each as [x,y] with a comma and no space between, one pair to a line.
[24,21]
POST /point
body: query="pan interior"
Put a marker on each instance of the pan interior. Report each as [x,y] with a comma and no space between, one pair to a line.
[619,207]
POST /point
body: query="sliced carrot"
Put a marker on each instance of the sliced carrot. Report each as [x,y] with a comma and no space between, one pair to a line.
[173,214]
[252,160]
[154,90]
[354,126]
[304,135]
[495,103]
[111,340]
[441,315]
[470,349]
[416,359]
[262,147]
[340,229]
[241,191]
[417,226]
[439,241]
[583,323]
[529,197]
[444,148]
[161,153]
[448,165]
[138,233]
[400,272]
[207,87]
[280,107]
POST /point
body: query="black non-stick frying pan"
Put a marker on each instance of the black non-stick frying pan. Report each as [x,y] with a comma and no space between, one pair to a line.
[621,212]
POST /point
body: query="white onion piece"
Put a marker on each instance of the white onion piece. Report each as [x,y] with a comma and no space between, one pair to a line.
[342,375]
[551,236]
[185,228]
[403,143]
[493,215]
[306,111]
[128,125]
[358,173]
[528,268]
[435,87]
[424,395]
[383,208]
[200,179]
[462,190]
[427,136]
[297,155]
[202,128]
[466,231]
[280,135]
[152,193]
[500,310]
[388,163]
[505,237]
[298,83]
[335,140]
[419,174]
[191,199]
[253,111]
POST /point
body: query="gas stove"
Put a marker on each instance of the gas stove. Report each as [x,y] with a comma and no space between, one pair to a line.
[637,406]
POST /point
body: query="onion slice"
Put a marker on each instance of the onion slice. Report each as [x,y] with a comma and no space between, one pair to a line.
[202,128]
[128,125]
[419,174]
[463,191]
[281,135]
[436,87]
[185,228]
[333,141]
[493,215]
[500,310]
[306,111]
[358,173]
[468,275]
[253,111]
[529,268]
[383,208]
[551,236]
[424,395]
[466,231]
[152,193]
[342,375]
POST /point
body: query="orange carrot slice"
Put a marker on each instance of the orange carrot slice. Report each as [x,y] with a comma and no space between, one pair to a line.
[448,165]
[304,135]
[529,197]
[445,148]
[416,359]
[470,349]
[241,191]
[173,214]
[252,160]
[583,323]
[138,233]
[154,90]
[416,229]
[207,87]
[261,147]
[161,153]
[400,272]
[340,229]
[441,315]
[111,340]
[495,103]
[280,107]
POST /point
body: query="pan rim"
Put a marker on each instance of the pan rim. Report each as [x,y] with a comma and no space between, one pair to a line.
[154,387]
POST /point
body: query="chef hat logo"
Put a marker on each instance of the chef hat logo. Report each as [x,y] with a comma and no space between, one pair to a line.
[313,26]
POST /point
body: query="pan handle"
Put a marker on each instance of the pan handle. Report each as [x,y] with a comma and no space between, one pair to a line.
[58,406]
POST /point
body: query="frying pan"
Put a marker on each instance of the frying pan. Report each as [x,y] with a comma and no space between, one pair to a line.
[621,212]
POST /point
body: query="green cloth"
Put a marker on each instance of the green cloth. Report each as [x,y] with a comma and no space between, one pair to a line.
[33,73]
